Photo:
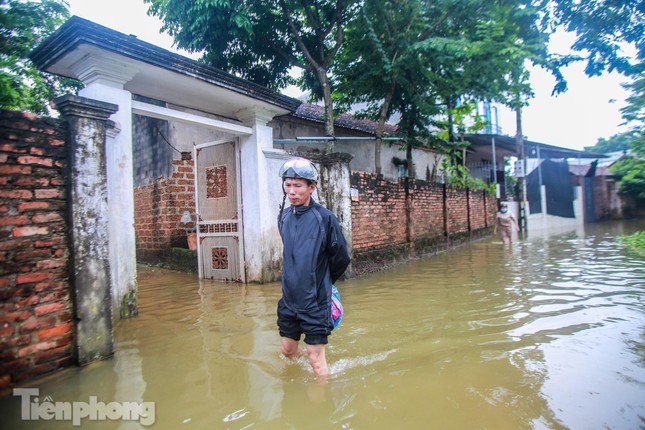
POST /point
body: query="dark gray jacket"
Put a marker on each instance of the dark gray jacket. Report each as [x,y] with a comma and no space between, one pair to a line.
[314,256]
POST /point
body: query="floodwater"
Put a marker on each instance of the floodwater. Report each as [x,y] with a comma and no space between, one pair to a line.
[548,333]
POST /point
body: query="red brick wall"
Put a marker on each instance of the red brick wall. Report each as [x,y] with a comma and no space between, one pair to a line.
[35,309]
[477,202]
[491,210]
[457,210]
[158,208]
[383,216]
[378,218]
[426,218]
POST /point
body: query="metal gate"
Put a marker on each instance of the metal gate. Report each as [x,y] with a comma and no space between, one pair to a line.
[220,249]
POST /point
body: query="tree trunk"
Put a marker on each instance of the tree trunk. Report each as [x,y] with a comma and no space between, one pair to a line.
[377,154]
[452,139]
[408,157]
[329,109]
[380,128]
[449,108]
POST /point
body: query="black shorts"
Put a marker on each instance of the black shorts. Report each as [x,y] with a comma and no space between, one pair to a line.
[315,325]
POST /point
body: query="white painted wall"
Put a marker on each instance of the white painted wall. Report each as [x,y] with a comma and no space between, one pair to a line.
[120,184]
[363,151]
[257,214]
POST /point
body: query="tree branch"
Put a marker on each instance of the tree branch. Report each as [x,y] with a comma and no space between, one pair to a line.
[436,25]
[340,36]
[292,59]
[296,35]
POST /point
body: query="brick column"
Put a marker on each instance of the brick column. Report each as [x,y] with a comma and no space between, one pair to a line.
[89,238]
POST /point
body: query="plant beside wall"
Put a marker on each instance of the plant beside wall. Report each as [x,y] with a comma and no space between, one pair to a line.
[635,241]
[632,181]
[459,177]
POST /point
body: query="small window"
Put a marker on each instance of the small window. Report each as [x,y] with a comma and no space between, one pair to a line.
[402,171]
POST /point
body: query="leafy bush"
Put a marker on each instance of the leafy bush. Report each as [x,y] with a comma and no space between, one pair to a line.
[632,171]
[634,241]
[459,177]
[23,26]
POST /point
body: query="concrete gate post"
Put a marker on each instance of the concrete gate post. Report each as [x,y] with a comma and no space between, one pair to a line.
[258,224]
[88,225]
[105,80]
[335,190]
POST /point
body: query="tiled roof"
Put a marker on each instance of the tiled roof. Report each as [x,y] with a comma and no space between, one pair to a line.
[583,169]
[78,31]
[345,120]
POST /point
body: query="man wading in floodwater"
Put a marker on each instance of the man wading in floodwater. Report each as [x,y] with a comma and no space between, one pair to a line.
[314,257]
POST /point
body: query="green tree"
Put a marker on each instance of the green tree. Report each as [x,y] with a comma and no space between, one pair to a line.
[380,53]
[609,36]
[632,171]
[501,38]
[421,59]
[23,25]
[632,168]
[634,112]
[617,142]
[602,29]
[262,40]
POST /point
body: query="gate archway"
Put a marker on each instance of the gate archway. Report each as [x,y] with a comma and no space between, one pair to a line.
[114,67]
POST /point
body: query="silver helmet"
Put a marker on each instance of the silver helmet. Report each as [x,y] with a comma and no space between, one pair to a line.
[299,168]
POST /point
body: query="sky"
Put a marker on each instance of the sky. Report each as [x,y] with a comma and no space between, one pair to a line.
[587,111]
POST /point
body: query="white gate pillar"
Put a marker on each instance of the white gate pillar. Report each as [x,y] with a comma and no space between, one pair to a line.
[88,224]
[257,219]
[104,80]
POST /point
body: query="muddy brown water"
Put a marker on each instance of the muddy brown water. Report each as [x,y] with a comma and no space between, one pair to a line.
[548,333]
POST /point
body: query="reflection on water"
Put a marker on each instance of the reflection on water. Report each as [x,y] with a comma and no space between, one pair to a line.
[547,333]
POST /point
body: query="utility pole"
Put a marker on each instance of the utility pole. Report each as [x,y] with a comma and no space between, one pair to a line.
[519,141]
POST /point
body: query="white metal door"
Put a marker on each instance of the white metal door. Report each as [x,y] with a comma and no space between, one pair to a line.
[219,222]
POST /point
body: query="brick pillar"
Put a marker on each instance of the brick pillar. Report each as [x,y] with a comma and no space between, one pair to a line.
[88,224]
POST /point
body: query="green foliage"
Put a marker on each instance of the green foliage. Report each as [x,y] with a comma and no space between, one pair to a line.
[382,57]
[464,120]
[458,176]
[617,142]
[632,182]
[632,169]
[635,241]
[262,40]
[602,29]
[421,59]
[23,25]
[242,37]
[411,57]
[634,112]
[383,65]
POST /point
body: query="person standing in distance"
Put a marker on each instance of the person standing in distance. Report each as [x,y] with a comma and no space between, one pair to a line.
[505,221]
[314,257]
